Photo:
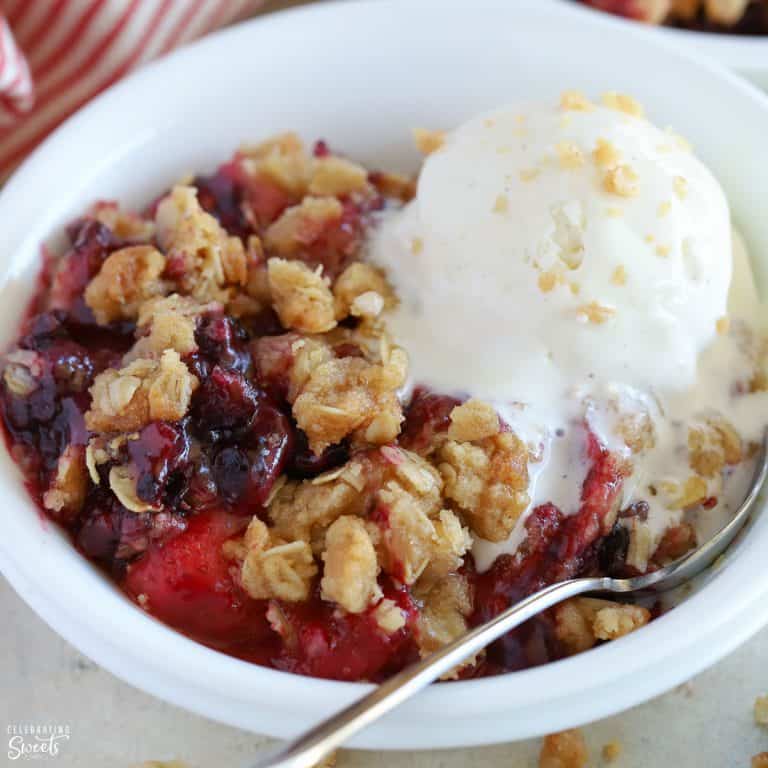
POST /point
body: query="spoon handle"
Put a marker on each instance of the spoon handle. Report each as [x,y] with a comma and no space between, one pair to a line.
[310,748]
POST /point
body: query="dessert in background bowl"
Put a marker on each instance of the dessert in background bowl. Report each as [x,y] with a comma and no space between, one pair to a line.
[212,398]
[744,17]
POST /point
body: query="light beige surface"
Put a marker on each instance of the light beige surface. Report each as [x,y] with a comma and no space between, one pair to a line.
[707,723]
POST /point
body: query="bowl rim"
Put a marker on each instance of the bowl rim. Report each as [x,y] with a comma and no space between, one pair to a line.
[608,666]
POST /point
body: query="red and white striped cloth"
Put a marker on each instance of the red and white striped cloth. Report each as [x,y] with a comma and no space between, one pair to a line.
[55,55]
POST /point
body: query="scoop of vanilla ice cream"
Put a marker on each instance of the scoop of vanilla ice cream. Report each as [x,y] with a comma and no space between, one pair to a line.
[550,247]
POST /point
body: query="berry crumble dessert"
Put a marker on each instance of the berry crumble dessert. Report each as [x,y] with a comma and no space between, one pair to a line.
[746,17]
[326,419]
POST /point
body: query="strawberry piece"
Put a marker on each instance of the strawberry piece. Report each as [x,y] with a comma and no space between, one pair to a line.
[187,583]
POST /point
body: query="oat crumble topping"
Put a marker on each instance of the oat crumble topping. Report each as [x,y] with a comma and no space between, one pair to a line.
[248,423]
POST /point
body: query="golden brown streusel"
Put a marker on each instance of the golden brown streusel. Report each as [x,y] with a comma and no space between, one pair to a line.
[352,397]
[761,710]
[122,482]
[144,390]
[488,481]
[575,101]
[127,278]
[611,751]
[350,566]
[713,445]
[355,288]
[394,185]
[616,620]
[273,568]
[605,154]
[388,616]
[443,617]
[23,367]
[282,160]
[301,510]
[473,420]
[623,103]
[428,141]
[202,257]
[126,225]
[168,323]
[582,621]
[566,749]
[639,550]
[301,224]
[66,493]
[301,296]
[622,181]
[595,313]
[336,176]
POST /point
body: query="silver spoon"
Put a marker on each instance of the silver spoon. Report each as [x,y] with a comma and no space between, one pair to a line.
[321,740]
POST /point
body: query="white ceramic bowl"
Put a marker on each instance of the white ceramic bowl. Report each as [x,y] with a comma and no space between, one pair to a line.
[746,55]
[362,75]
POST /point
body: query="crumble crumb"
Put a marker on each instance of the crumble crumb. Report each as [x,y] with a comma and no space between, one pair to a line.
[622,181]
[417,246]
[361,290]
[23,369]
[443,618]
[663,251]
[145,390]
[501,204]
[122,482]
[761,710]
[388,616]
[66,493]
[575,101]
[623,103]
[336,176]
[168,323]
[595,313]
[202,258]
[617,620]
[428,141]
[352,397]
[473,420]
[301,296]
[582,621]
[723,325]
[276,569]
[488,480]
[126,225]
[282,160]
[712,446]
[301,224]
[351,569]
[664,209]
[127,278]
[551,279]
[639,550]
[605,154]
[612,751]
[395,185]
[760,760]
[619,276]
[566,749]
